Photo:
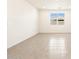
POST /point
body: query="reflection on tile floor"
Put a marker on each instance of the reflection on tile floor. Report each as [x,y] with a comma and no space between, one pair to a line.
[42,46]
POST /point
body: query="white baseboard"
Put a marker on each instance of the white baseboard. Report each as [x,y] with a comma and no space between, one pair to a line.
[22,40]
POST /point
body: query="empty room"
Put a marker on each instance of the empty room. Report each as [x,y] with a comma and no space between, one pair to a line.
[39,29]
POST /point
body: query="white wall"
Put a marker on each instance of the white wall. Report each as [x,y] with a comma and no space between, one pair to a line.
[22,21]
[46,27]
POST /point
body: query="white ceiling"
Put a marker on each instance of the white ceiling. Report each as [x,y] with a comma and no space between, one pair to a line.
[51,4]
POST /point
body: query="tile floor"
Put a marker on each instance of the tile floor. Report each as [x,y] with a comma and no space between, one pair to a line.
[42,46]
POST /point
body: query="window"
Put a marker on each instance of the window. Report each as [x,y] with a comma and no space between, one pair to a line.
[57,18]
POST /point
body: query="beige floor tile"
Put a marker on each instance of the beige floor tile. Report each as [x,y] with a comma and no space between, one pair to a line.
[42,46]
